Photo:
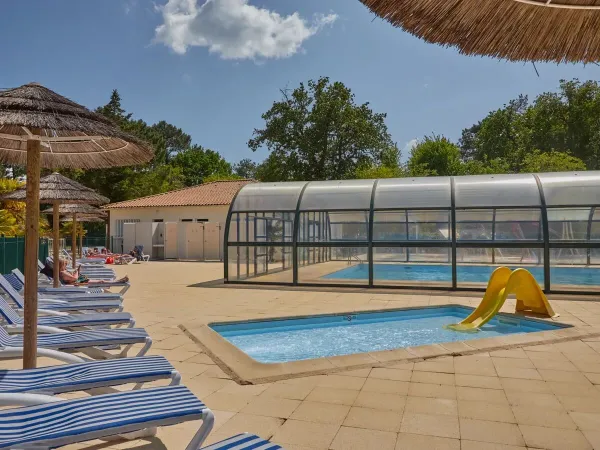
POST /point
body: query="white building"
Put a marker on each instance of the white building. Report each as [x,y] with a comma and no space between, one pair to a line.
[187,223]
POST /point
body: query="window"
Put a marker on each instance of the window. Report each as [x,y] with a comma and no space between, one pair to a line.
[201,220]
[187,220]
[157,220]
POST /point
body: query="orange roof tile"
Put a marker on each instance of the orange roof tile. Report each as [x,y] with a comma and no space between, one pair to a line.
[214,193]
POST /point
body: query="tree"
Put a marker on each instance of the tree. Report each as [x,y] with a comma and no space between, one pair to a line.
[553,161]
[318,132]
[434,156]
[221,177]
[246,168]
[196,163]
[390,167]
[175,140]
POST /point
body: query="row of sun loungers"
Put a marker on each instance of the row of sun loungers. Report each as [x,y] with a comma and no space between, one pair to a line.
[92,323]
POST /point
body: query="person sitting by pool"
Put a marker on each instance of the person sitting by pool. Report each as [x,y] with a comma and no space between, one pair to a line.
[76,277]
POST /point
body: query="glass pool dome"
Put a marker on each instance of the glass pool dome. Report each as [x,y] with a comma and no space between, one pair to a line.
[430,232]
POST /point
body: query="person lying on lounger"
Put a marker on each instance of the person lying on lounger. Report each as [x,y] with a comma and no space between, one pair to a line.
[76,277]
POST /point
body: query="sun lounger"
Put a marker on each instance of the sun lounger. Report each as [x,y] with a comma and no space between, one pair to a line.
[53,422]
[88,375]
[244,441]
[88,303]
[89,288]
[60,320]
[85,341]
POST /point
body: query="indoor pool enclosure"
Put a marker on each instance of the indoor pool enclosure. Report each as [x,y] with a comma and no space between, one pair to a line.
[424,232]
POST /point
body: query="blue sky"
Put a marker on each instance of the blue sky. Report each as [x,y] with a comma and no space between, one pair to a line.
[214,69]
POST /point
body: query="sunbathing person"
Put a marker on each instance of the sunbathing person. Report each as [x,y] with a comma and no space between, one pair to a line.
[75,277]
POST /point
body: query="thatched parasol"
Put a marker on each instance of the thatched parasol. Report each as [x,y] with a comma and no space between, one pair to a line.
[87,219]
[40,128]
[517,30]
[76,212]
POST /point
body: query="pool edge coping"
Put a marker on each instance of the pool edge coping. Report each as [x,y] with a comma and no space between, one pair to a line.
[245,370]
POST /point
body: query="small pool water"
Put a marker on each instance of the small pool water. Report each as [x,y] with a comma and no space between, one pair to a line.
[273,341]
[583,276]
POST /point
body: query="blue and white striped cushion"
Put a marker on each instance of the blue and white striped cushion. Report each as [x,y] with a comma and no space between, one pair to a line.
[243,441]
[79,339]
[83,305]
[72,377]
[14,281]
[78,420]
[94,319]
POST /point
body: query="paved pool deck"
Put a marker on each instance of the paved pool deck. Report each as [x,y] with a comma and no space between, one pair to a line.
[532,396]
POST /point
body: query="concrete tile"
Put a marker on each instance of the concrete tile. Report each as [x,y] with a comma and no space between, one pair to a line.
[228,402]
[473,445]
[386,386]
[433,378]
[543,417]
[201,358]
[262,426]
[580,404]
[593,438]
[512,363]
[410,441]
[291,391]
[234,388]
[563,376]
[430,424]
[361,373]
[586,421]
[515,372]
[554,438]
[485,411]
[432,390]
[424,405]
[340,382]
[390,374]
[512,353]
[373,419]
[582,388]
[309,434]
[528,386]
[593,377]
[381,401]
[481,395]
[550,364]
[474,365]
[494,432]
[271,406]
[360,439]
[478,381]
[335,396]
[539,400]
[321,412]
[445,365]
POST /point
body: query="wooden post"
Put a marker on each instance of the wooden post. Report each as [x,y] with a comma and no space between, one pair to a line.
[81,239]
[74,241]
[32,216]
[55,245]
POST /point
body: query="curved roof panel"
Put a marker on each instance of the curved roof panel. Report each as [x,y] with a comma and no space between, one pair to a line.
[571,188]
[477,191]
[413,193]
[280,196]
[332,195]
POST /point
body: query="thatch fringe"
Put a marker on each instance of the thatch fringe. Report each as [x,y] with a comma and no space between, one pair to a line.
[505,29]
[57,187]
[83,209]
[72,136]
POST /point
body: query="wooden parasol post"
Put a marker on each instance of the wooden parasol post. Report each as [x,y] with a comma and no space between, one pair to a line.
[74,241]
[81,240]
[32,217]
[55,245]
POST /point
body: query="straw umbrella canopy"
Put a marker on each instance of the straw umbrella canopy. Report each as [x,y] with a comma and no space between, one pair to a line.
[517,30]
[40,128]
[75,212]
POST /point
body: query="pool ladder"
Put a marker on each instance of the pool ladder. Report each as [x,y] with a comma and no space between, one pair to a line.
[351,257]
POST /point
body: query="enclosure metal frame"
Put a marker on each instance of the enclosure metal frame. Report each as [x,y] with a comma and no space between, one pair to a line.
[453,244]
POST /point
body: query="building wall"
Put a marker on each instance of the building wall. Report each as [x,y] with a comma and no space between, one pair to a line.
[168,214]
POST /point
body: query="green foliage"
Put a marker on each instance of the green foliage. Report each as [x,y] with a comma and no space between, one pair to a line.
[197,163]
[552,161]
[8,224]
[434,156]
[246,169]
[318,132]
[221,177]
[12,214]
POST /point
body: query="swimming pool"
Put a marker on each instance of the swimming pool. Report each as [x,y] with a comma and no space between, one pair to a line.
[584,276]
[275,341]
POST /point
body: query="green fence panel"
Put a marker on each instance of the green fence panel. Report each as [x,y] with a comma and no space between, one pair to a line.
[12,253]
[89,241]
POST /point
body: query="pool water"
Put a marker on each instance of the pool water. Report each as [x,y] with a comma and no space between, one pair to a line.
[273,341]
[584,276]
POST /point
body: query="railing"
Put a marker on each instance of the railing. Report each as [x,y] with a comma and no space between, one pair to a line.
[12,252]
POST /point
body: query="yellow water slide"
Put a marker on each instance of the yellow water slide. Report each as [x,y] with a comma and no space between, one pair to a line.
[503,283]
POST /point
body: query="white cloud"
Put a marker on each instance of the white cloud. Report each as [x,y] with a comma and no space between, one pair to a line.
[234,29]
[129,5]
[408,147]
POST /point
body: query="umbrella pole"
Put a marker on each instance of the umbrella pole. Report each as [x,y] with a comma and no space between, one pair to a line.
[74,241]
[81,240]
[55,246]
[32,216]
